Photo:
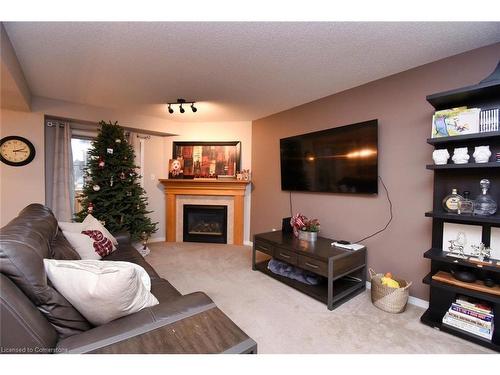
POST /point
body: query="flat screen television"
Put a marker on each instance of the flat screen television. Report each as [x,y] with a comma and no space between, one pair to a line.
[337,160]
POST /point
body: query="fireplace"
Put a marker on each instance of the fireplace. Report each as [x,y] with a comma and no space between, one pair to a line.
[205,223]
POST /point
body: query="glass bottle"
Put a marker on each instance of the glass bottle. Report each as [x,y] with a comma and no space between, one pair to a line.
[485,205]
[450,202]
[466,205]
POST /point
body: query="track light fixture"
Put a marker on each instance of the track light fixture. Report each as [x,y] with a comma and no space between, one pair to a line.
[180,103]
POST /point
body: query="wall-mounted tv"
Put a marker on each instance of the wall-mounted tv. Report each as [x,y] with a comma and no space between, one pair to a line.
[337,160]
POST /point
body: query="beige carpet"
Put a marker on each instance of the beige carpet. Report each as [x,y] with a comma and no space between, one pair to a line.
[283,320]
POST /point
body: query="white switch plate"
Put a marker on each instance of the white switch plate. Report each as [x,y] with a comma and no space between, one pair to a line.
[153,177]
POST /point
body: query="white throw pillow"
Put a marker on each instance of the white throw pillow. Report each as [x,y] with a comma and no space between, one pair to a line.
[71,227]
[101,291]
[91,223]
[83,244]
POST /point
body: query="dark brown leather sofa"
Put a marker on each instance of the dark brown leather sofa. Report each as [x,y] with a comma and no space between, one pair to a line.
[35,318]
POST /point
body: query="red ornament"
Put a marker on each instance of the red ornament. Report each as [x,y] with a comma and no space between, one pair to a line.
[90,208]
[101,162]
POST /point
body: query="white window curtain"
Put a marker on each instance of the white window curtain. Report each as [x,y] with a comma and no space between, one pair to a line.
[138,144]
[59,170]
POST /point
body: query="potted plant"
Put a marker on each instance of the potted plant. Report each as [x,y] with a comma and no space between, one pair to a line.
[304,228]
[309,231]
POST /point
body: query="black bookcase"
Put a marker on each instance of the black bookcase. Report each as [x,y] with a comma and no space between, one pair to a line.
[485,95]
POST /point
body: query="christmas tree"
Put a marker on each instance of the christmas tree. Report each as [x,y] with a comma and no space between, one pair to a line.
[111,190]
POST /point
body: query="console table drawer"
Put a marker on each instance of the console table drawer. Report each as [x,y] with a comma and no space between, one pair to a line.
[285,255]
[313,265]
[264,247]
[343,265]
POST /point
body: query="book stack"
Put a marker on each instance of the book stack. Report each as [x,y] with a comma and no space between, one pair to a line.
[488,120]
[471,316]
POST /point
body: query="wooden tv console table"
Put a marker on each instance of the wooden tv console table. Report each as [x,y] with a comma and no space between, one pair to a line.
[343,271]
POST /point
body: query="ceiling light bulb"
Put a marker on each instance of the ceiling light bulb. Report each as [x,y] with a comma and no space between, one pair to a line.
[193,108]
[182,110]
[170,110]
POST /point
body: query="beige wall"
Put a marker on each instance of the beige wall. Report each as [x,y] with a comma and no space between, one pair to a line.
[20,186]
[157,151]
[15,93]
[398,102]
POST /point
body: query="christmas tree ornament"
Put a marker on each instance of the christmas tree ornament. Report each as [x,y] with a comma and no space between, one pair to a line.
[109,151]
[118,140]
[129,193]
[101,162]
[111,181]
[90,208]
[96,187]
[122,175]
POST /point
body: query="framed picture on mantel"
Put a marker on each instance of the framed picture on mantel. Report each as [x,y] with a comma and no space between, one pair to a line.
[208,159]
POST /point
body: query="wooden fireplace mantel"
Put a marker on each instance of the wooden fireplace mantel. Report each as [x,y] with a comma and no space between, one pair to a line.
[206,187]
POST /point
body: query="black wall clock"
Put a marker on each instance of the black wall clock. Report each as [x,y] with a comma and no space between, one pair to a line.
[16,151]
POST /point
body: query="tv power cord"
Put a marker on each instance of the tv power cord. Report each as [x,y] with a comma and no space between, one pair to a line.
[373,234]
[390,212]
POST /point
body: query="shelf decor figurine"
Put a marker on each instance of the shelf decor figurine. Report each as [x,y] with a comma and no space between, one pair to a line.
[456,248]
[440,157]
[481,251]
[485,205]
[460,155]
[482,154]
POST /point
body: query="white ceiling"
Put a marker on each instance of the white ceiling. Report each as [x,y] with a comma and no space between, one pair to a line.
[236,71]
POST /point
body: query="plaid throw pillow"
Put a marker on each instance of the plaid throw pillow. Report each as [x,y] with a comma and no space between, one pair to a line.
[102,245]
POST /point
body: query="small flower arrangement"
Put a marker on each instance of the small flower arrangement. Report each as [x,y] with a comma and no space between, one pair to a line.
[312,225]
[300,222]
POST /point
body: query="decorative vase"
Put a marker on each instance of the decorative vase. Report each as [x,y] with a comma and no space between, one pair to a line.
[460,155]
[485,205]
[482,154]
[308,236]
[440,156]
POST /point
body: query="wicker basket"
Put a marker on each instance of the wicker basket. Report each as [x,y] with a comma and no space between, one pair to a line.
[392,300]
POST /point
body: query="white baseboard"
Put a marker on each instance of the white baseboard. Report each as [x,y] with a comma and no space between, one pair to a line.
[411,300]
[157,239]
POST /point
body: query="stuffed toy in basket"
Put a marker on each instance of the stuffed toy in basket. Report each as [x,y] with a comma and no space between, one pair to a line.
[389,298]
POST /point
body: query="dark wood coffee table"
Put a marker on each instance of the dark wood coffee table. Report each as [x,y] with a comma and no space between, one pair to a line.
[343,272]
[209,332]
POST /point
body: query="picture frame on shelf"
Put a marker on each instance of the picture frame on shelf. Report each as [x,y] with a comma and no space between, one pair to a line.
[455,121]
[461,235]
[208,159]
[495,243]
[176,168]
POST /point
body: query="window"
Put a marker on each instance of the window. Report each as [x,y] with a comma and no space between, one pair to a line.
[79,148]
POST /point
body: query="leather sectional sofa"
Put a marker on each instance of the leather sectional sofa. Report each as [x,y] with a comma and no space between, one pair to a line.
[35,318]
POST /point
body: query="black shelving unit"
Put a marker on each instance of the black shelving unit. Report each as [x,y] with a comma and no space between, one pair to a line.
[485,95]
[464,166]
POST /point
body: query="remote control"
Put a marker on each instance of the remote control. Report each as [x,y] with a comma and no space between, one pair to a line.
[343,242]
